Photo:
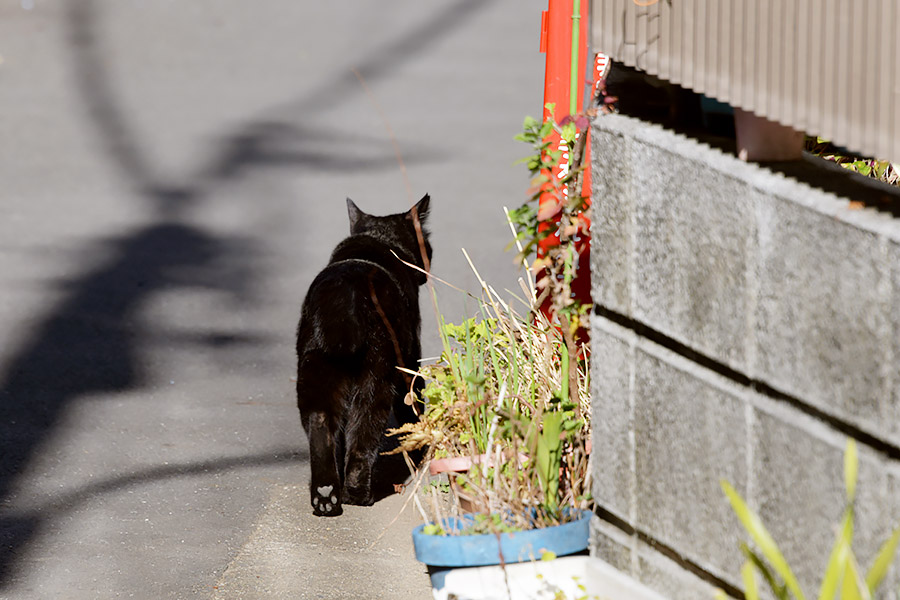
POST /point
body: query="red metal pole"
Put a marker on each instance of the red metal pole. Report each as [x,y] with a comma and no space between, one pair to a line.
[556,42]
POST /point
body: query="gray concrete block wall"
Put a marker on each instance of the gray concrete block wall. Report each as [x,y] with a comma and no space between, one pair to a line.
[892,365]
[822,317]
[776,279]
[798,485]
[615,546]
[692,428]
[664,575]
[637,558]
[611,229]
[698,425]
[680,279]
[744,327]
[613,435]
[652,412]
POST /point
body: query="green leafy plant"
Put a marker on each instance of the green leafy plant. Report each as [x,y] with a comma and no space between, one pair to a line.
[510,389]
[880,169]
[842,579]
[500,395]
[555,207]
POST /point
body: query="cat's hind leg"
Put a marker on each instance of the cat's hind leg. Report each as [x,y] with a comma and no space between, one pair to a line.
[319,400]
[325,480]
[365,426]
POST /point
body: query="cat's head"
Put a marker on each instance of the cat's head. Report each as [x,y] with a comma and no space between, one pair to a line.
[401,231]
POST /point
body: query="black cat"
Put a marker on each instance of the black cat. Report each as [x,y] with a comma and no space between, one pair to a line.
[360,320]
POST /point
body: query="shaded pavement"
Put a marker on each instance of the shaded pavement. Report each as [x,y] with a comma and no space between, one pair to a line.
[173,176]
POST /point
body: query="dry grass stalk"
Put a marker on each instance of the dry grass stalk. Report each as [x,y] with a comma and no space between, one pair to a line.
[502,380]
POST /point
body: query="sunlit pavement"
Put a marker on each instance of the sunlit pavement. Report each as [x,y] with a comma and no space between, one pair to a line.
[172,176]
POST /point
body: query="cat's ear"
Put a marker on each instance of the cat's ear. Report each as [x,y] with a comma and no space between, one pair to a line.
[422,207]
[355,214]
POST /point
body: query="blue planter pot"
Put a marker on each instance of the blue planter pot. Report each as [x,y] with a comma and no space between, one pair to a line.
[492,549]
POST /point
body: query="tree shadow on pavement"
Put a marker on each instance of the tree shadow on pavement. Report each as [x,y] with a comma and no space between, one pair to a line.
[90,342]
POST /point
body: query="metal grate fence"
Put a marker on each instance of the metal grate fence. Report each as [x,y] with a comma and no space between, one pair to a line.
[827,67]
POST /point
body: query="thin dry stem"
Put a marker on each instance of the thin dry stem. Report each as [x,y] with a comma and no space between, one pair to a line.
[390,131]
[506,483]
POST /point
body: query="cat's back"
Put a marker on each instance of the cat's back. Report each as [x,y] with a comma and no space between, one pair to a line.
[363,281]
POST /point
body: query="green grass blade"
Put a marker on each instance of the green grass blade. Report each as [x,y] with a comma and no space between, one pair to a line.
[513,359]
[445,342]
[748,573]
[849,591]
[496,370]
[851,467]
[532,360]
[838,559]
[779,590]
[548,455]
[851,588]
[763,539]
[882,562]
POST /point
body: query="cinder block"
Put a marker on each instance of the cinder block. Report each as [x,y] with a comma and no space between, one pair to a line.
[798,491]
[695,233]
[821,319]
[673,244]
[611,544]
[776,279]
[877,509]
[762,272]
[648,566]
[668,578]
[611,365]
[892,581]
[892,368]
[690,433]
[611,219]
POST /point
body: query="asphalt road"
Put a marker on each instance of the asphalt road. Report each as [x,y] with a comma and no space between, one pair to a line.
[172,176]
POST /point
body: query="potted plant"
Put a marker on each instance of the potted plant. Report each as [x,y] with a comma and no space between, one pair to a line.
[509,402]
[499,400]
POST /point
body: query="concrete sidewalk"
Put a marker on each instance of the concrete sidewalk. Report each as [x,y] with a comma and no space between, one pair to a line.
[363,554]
[172,176]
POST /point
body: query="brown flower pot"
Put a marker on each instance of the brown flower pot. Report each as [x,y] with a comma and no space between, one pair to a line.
[454,465]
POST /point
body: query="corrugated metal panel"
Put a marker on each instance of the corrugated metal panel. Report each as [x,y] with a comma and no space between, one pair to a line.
[827,67]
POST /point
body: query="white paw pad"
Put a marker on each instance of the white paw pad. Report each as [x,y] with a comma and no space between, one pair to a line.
[324,500]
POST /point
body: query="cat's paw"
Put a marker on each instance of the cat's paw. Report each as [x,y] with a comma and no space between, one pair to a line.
[326,501]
